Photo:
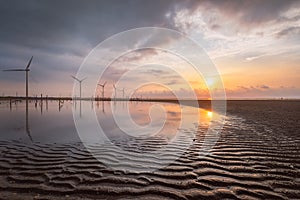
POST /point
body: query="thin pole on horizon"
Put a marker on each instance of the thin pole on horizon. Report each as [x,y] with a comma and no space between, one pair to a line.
[80,81]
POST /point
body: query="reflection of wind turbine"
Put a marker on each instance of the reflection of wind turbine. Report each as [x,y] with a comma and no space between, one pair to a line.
[80,81]
[103,107]
[23,70]
[102,89]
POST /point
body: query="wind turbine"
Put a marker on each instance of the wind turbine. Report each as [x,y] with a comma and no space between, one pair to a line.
[123,93]
[26,70]
[115,91]
[79,81]
[102,89]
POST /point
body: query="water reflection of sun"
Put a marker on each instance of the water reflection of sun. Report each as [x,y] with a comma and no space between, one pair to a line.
[209,113]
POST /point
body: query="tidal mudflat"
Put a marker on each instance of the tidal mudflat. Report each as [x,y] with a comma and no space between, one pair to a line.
[257,155]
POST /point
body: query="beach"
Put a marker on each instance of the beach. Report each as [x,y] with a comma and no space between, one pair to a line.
[257,156]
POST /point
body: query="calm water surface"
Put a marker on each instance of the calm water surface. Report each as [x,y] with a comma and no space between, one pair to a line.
[52,122]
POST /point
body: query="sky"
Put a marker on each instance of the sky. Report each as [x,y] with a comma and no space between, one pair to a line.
[255,45]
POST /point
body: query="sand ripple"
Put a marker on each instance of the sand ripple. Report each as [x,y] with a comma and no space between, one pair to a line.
[248,162]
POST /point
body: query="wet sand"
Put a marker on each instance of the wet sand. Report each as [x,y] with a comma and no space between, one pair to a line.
[256,157]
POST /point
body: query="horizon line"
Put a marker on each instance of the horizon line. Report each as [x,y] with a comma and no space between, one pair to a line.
[137,98]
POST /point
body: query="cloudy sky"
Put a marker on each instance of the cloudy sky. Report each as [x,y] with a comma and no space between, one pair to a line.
[254,44]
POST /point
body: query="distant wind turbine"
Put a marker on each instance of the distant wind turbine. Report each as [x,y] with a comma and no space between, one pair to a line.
[123,90]
[79,81]
[115,91]
[23,70]
[102,89]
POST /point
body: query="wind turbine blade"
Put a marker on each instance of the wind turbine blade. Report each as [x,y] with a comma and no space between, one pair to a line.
[114,86]
[75,78]
[83,79]
[29,62]
[13,70]
[104,83]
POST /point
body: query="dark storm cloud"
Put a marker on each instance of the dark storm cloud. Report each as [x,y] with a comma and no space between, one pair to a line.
[59,26]
[73,27]
[61,33]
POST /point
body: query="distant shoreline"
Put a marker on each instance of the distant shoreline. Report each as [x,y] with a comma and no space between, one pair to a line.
[138,99]
[200,103]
